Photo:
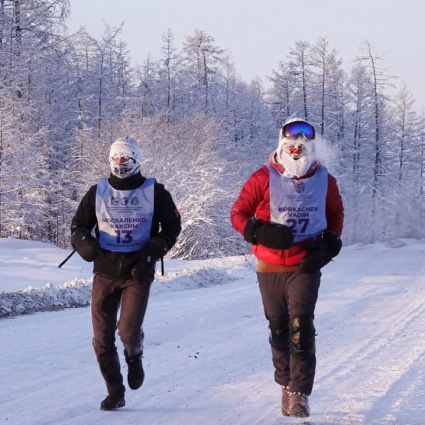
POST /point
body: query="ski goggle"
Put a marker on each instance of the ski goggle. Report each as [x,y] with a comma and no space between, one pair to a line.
[293,129]
[121,159]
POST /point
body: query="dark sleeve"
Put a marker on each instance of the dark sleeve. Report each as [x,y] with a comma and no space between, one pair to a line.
[85,217]
[167,216]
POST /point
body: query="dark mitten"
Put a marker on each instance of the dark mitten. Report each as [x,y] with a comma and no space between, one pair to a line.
[275,236]
[250,232]
[144,269]
[321,252]
[334,242]
[85,244]
[157,247]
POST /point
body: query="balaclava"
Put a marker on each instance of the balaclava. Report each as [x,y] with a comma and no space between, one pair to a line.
[296,149]
[124,157]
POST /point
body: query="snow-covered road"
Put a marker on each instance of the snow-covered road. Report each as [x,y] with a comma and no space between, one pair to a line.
[207,358]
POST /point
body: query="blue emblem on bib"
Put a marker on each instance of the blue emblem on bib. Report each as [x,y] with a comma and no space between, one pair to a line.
[299,186]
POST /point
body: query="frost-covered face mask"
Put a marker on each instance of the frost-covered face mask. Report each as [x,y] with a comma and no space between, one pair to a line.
[124,157]
[296,156]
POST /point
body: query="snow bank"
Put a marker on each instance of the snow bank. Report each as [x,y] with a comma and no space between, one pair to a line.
[76,293]
[48,298]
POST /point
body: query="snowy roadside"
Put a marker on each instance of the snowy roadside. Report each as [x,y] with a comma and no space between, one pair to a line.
[77,292]
[48,298]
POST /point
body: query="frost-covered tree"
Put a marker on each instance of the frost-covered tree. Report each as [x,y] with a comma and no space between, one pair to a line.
[328,88]
[300,67]
[169,74]
[31,63]
[190,157]
[404,153]
[379,80]
[281,96]
[202,63]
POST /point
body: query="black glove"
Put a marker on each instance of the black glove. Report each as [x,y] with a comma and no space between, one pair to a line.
[144,269]
[250,233]
[333,241]
[85,244]
[321,252]
[271,235]
[275,236]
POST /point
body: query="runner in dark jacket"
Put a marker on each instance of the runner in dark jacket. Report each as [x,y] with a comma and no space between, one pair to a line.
[291,211]
[135,223]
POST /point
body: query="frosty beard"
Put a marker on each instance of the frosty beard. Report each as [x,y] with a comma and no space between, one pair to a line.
[296,157]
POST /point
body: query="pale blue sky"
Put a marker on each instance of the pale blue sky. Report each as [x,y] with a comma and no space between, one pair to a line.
[259,33]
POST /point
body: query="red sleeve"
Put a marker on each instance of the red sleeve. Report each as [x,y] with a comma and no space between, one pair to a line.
[334,207]
[251,195]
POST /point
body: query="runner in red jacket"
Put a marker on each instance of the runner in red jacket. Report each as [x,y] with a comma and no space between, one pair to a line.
[291,211]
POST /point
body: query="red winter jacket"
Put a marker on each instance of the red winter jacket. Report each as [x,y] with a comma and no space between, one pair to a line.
[254,201]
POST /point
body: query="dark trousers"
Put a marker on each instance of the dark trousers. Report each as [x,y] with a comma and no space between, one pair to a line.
[110,295]
[289,296]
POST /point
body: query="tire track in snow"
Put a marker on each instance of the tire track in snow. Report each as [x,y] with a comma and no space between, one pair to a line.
[371,338]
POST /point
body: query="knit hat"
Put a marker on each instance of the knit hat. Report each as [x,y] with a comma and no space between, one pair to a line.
[125,157]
